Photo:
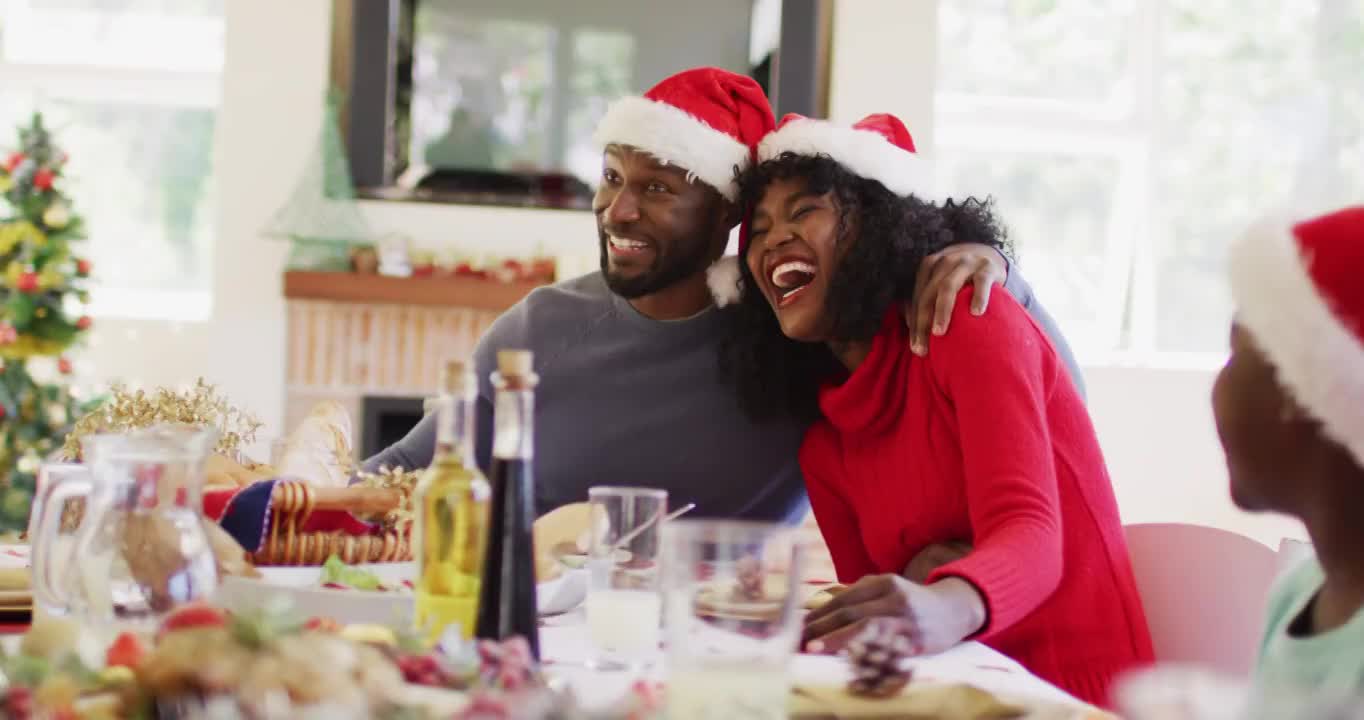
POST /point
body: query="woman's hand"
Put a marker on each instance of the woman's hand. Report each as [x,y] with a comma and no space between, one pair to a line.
[941,276]
[933,557]
[937,616]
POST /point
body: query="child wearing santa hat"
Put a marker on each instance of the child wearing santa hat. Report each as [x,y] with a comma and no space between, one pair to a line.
[1290,413]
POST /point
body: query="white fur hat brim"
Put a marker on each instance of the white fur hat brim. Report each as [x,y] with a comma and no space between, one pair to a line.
[724,280]
[677,137]
[1320,362]
[866,153]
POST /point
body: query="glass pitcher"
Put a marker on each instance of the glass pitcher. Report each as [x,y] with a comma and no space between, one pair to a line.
[140,548]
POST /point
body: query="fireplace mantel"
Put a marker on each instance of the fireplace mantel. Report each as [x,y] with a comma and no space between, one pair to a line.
[461,292]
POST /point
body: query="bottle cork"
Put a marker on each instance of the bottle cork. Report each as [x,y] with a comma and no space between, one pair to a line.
[513,363]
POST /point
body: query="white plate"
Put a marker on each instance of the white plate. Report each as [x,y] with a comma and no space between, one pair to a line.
[301,585]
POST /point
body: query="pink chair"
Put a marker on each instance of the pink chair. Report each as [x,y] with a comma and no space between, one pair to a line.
[1204,593]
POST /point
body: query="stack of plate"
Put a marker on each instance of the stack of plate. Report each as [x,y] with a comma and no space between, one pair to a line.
[16,594]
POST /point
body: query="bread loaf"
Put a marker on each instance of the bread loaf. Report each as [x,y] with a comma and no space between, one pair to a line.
[565,528]
[319,450]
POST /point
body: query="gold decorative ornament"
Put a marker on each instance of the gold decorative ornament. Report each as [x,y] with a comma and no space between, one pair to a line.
[200,406]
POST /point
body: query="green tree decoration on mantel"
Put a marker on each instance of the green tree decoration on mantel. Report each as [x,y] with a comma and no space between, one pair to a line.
[321,219]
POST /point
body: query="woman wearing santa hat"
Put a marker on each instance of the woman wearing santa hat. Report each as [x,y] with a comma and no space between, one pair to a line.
[985,439]
[1290,412]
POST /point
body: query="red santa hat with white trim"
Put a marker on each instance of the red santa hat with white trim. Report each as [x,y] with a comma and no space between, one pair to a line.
[705,120]
[1298,293]
[877,147]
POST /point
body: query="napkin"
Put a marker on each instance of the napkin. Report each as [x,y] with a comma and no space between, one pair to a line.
[918,700]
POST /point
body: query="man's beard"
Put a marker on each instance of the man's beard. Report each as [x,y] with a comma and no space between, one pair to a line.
[666,270]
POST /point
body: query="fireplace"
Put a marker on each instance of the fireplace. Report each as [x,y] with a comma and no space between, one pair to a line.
[384,420]
[376,344]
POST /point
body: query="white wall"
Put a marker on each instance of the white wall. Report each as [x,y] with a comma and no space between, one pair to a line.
[1155,425]
[274,80]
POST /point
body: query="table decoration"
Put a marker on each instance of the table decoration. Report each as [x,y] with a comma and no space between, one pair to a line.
[266,663]
[878,656]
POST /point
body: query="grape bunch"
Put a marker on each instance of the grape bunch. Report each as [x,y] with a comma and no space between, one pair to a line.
[422,670]
[507,665]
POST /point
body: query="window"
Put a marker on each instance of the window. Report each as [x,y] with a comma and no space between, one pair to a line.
[132,88]
[1128,142]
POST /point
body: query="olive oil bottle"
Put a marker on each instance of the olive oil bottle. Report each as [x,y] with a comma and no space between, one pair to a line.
[451,523]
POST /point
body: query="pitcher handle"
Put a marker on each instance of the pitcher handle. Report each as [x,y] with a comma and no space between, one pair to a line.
[61,483]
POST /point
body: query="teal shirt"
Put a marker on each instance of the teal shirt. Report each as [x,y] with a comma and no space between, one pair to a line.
[1298,672]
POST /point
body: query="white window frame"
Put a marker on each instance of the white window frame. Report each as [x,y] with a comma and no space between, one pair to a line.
[1122,130]
[194,88]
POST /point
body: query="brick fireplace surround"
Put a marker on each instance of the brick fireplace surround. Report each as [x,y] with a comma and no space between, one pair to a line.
[352,337]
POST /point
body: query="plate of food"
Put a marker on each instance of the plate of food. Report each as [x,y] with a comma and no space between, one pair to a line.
[370,593]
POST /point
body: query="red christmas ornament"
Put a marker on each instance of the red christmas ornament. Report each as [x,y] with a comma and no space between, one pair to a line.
[13,161]
[82,267]
[84,322]
[64,366]
[2,412]
[28,282]
[43,179]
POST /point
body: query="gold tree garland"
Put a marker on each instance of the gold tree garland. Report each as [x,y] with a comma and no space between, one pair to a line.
[200,406]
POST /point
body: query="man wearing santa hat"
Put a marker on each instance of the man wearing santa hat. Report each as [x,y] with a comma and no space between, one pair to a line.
[630,390]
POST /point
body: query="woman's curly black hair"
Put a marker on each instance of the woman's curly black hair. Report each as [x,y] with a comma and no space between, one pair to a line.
[777,377]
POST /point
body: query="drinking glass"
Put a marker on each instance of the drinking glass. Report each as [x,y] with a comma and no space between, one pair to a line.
[732,618]
[624,600]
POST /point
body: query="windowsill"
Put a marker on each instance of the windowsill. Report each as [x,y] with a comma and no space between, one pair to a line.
[137,304]
[485,199]
[1199,362]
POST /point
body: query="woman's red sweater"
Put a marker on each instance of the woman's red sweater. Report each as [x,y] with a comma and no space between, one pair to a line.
[987,440]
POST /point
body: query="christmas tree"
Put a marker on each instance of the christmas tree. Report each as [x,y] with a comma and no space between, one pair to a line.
[41,290]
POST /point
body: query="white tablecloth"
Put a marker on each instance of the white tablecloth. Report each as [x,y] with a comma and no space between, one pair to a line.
[566,651]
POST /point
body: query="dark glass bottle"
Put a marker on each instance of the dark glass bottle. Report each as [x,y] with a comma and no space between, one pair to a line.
[506,604]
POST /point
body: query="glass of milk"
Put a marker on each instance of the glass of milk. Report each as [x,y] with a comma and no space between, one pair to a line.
[624,590]
[732,618]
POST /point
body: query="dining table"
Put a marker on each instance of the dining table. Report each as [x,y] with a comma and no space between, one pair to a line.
[566,653]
